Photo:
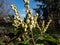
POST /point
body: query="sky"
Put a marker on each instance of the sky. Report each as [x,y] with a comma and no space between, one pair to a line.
[20,6]
[21,9]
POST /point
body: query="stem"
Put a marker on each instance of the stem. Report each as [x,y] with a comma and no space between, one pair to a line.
[32,38]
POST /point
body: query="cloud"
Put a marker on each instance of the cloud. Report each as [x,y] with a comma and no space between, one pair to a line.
[23,10]
[22,15]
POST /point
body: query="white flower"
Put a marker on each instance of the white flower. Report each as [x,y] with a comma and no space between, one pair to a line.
[16,10]
[29,16]
[31,26]
[27,11]
[37,14]
[22,25]
[27,6]
[30,11]
[32,17]
[21,20]
[12,6]
[25,1]
[28,21]
[26,26]
[25,29]
[32,22]
[17,14]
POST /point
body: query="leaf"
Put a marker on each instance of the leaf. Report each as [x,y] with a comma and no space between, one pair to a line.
[25,42]
[11,18]
[15,31]
[39,44]
[50,38]
[1,41]
[41,37]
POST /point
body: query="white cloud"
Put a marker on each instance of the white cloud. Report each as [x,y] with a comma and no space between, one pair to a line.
[23,10]
[22,15]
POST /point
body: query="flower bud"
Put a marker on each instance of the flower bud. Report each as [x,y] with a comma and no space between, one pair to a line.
[30,27]
[37,14]
[25,1]
[21,20]
[30,11]
[25,25]
[16,14]
[27,6]
[27,11]
[32,18]
[28,21]
[25,29]
[28,15]
[22,25]
[32,22]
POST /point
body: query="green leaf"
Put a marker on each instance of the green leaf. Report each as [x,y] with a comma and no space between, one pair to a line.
[50,38]
[39,44]
[15,31]
[25,42]
[1,41]
[11,18]
[41,37]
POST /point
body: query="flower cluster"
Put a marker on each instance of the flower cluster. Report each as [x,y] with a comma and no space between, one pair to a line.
[31,21]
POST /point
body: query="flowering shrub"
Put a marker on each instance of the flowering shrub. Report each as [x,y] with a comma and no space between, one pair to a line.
[28,31]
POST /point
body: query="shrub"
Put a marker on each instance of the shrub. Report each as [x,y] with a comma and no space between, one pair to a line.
[28,31]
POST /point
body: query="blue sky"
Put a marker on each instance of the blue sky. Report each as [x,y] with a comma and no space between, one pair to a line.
[20,5]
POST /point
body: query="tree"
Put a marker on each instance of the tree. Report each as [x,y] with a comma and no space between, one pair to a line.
[4,8]
[42,10]
[52,10]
